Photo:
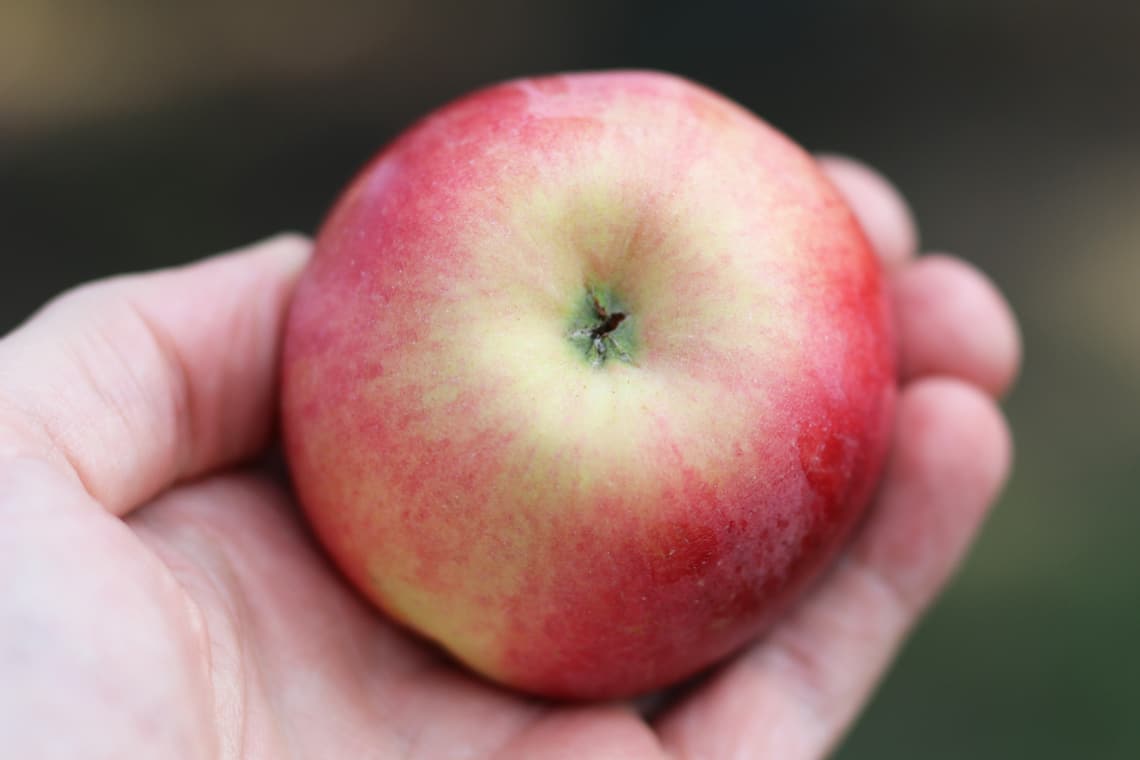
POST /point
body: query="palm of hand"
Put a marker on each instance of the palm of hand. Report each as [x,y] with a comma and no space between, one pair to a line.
[207,624]
[255,619]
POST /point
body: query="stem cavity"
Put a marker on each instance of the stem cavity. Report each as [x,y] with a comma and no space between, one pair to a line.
[602,336]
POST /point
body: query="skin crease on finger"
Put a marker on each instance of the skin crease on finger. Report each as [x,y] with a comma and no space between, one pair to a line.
[96,640]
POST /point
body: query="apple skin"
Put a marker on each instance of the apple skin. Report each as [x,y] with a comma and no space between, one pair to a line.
[569,524]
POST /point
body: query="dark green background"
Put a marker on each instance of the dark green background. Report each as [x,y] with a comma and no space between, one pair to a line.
[138,134]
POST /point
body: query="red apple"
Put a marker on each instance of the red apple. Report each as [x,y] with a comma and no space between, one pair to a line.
[589,377]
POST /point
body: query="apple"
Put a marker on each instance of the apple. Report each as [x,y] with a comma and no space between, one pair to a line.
[590,376]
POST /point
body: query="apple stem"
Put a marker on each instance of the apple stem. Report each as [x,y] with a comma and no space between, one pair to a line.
[611,323]
[600,339]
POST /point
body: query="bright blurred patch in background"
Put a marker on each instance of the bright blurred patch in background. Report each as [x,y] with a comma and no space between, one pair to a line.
[135,134]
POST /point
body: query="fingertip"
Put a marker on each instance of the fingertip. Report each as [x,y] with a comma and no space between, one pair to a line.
[286,252]
[952,455]
[291,245]
[878,205]
[950,432]
[954,321]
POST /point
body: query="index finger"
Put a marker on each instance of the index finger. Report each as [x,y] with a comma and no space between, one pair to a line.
[132,383]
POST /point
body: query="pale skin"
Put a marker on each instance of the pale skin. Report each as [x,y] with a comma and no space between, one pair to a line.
[162,598]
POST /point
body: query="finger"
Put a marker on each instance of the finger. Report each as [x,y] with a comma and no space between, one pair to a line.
[131,383]
[879,207]
[953,321]
[795,693]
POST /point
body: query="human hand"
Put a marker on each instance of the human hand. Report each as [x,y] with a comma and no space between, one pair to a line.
[162,598]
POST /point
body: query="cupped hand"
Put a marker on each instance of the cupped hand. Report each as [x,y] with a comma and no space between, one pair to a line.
[162,598]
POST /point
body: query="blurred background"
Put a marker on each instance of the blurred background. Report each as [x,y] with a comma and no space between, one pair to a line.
[136,134]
